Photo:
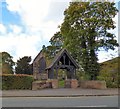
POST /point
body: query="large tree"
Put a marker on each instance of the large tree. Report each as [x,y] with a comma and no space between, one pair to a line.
[23,65]
[7,63]
[85,32]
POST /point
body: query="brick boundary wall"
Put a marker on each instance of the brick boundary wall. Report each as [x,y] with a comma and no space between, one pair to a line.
[71,83]
[93,84]
[74,83]
[54,83]
[37,85]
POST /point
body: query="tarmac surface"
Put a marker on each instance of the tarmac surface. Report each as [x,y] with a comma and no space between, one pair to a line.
[61,92]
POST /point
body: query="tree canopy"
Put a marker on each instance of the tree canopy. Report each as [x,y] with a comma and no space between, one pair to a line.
[56,43]
[85,32]
[7,63]
[23,65]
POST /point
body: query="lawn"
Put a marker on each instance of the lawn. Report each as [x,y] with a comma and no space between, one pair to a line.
[61,83]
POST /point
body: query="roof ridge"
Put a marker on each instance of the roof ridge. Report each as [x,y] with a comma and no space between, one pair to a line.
[59,56]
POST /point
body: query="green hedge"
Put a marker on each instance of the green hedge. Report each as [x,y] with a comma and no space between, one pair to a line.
[21,82]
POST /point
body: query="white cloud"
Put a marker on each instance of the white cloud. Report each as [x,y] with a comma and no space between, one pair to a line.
[20,45]
[32,12]
[104,56]
[37,30]
[16,29]
[49,29]
[2,29]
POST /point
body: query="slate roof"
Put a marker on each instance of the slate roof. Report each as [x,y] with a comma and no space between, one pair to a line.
[59,55]
[51,62]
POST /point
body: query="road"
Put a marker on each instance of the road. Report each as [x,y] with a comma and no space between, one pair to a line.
[91,101]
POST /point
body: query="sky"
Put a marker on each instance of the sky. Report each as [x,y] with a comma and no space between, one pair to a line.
[27,25]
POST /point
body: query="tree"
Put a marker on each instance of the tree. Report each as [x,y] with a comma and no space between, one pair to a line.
[7,63]
[56,41]
[55,46]
[85,32]
[24,66]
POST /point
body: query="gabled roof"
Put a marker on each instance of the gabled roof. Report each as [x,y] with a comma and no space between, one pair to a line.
[59,55]
[39,54]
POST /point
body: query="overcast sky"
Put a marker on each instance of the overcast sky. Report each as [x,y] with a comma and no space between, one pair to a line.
[27,25]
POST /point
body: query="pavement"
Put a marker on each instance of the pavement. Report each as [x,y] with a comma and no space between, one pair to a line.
[61,92]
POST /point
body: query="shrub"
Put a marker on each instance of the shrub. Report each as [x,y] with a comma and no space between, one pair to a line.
[109,80]
[110,72]
[80,75]
[20,81]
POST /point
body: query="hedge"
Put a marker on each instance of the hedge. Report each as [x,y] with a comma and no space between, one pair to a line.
[18,81]
[109,81]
